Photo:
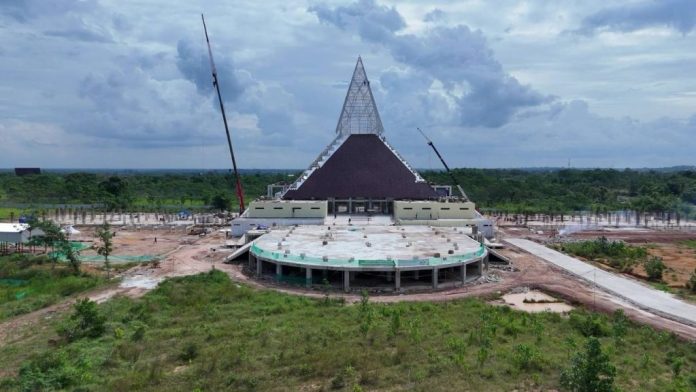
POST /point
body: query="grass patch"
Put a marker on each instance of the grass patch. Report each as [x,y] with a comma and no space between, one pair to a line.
[662,286]
[205,332]
[28,283]
[616,254]
[688,243]
[8,212]
[121,267]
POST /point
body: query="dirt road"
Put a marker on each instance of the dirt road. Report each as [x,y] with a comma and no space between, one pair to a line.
[191,257]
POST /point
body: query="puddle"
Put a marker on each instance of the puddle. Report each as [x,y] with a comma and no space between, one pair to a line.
[534,301]
[140,281]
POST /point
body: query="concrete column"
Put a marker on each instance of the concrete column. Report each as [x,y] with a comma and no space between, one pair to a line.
[434,278]
[308,278]
[389,276]
[416,274]
[279,271]
[463,273]
[324,275]
[397,280]
[259,267]
[480,266]
[251,260]
[346,281]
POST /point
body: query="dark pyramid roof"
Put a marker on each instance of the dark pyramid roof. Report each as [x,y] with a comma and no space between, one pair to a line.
[363,166]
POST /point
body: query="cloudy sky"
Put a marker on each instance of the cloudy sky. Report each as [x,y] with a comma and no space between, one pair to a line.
[125,84]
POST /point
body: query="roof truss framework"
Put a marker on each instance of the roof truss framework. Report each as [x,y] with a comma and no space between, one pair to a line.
[359,162]
[359,114]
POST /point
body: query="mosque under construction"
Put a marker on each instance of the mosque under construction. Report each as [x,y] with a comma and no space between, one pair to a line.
[361,216]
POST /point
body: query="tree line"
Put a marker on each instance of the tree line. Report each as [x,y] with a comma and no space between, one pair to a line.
[505,190]
[568,190]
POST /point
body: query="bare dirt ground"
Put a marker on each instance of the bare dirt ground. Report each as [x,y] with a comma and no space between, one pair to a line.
[185,255]
[136,242]
[680,261]
[679,258]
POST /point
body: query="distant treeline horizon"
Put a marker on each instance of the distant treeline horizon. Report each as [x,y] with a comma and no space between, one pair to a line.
[123,171]
[669,191]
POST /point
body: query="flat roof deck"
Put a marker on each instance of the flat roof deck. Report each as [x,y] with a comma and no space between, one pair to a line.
[391,247]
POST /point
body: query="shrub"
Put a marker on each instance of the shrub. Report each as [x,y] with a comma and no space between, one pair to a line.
[50,371]
[526,357]
[344,378]
[619,325]
[675,362]
[395,322]
[138,331]
[691,284]
[86,321]
[589,370]
[615,253]
[589,324]
[654,268]
[189,353]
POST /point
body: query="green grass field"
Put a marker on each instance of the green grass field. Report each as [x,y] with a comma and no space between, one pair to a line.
[8,212]
[689,243]
[616,254]
[206,333]
[28,283]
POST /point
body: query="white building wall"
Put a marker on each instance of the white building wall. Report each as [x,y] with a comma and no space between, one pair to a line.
[428,210]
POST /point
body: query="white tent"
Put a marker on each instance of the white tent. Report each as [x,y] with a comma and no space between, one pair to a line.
[69,230]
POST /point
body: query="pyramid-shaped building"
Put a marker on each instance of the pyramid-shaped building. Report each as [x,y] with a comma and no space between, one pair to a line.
[359,163]
[360,213]
[359,173]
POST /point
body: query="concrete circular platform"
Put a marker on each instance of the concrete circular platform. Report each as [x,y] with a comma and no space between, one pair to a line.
[368,250]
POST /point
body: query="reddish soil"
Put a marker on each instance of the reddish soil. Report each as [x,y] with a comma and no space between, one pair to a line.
[679,258]
[680,261]
[137,242]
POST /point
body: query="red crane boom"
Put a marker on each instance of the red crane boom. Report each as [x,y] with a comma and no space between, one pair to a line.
[240,191]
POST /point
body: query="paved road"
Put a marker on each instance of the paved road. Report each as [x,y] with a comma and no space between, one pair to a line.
[641,295]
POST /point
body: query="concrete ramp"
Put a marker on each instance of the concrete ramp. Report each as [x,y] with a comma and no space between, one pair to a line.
[495,256]
[643,296]
[243,249]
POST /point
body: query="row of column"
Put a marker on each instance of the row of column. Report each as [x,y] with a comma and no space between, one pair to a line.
[395,275]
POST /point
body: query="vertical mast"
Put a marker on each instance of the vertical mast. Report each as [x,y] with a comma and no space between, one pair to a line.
[240,191]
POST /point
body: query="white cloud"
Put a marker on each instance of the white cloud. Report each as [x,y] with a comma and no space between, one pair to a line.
[126,84]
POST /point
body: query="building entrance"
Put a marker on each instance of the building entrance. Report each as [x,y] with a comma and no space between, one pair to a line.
[360,207]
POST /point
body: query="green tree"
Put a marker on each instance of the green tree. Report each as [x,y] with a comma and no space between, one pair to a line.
[589,370]
[115,193]
[654,268]
[106,245]
[619,326]
[50,236]
[221,202]
[85,321]
[72,255]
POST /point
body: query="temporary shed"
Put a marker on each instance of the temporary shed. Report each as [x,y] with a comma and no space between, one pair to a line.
[14,233]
